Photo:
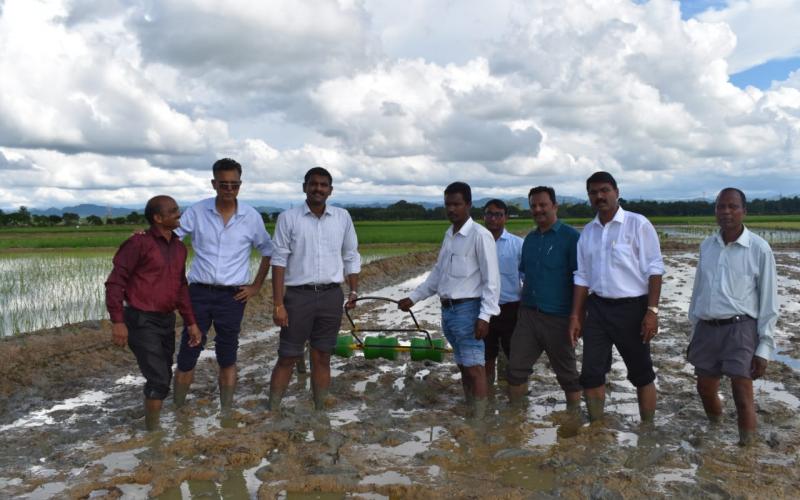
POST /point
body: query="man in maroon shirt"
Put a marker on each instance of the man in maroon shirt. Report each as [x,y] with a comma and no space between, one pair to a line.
[145,287]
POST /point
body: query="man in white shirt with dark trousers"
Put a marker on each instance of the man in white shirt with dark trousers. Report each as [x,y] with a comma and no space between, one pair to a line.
[467,280]
[615,297]
[316,249]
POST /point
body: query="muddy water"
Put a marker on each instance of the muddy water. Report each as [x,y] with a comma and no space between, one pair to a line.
[71,422]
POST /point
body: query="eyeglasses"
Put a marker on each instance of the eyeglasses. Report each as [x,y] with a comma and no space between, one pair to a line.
[495,215]
[228,185]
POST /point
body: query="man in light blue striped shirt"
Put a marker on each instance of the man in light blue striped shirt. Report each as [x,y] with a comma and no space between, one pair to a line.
[509,253]
[734,309]
[223,231]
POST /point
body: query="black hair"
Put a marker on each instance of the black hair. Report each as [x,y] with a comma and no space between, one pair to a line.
[600,177]
[155,206]
[226,164]
[460,187]
[735,190]
[543,189]
[498,203]
[317,171]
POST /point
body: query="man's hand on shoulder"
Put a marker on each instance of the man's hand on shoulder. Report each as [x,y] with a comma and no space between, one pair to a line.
[246,292]
[758,367]
[119,334]
[481,329]
[405,304]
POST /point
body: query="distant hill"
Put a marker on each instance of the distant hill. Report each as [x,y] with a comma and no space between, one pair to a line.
[87,209]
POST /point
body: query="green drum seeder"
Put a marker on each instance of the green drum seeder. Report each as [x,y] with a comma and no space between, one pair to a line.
[384,347]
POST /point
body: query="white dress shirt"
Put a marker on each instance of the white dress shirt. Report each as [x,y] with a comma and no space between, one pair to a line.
[509,255]
[466,267]
[222,251]
[316,250]
[736,279]
[616,260]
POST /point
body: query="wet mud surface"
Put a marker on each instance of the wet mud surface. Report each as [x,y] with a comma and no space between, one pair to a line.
[71,422]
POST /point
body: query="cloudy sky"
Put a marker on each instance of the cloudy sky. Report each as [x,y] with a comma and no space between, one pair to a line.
[113,101]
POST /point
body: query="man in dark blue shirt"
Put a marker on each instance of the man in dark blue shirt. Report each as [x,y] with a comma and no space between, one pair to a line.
[549,259]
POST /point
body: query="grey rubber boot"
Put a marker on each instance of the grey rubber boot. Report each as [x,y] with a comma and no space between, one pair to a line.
[226,397]
[516,394]
[152,419]
[479,407]
[595,407]
[179,392]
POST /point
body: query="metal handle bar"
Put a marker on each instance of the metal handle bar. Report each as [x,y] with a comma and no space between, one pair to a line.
[385,299]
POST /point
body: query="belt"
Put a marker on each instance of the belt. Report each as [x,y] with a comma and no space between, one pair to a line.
[453,302]
[622,300]
[726,321]
[219,288]
[321,287]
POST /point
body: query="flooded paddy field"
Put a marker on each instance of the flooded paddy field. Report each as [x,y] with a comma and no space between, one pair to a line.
[71,422]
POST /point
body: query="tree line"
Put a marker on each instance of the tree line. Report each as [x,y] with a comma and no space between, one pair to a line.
[403,210]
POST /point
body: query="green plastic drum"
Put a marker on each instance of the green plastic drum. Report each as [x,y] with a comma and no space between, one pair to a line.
[422,350]
[380,347]
[344,346]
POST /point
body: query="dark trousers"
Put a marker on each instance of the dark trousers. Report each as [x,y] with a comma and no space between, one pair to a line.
[215,307]
[615,322]
[501,328]
[151,337]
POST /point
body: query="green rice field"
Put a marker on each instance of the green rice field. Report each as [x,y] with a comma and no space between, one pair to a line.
[54,276]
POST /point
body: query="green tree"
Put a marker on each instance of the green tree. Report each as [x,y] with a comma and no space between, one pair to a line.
[94,220]
[71,219]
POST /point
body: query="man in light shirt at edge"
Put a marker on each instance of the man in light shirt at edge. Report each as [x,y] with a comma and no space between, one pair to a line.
[509,251]
[733,310]
[316,249]
[615,298]
[223,232]
[467,280]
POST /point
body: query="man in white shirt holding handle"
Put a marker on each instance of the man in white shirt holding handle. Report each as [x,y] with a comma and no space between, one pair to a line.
[467,280]
[315,250]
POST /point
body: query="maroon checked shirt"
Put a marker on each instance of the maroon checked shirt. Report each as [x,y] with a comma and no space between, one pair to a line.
[150,275]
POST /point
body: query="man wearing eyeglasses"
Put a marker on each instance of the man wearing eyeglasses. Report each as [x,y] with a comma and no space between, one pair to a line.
[223,232]
[509,253]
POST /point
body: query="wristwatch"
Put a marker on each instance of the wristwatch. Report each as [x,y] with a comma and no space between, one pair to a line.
[653,309]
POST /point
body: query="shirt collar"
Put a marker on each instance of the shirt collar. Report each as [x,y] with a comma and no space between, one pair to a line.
[307,209]
[618,217]
[465,229]
[155,233]
[504,235]
[743,239]
[212,205]
[554,228]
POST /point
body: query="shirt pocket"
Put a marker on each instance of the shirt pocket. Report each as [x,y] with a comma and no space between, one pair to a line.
[622,255]
[738,279]
[462,266]
[509,267]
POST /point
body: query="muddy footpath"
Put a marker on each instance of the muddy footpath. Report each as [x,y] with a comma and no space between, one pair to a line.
[71,419]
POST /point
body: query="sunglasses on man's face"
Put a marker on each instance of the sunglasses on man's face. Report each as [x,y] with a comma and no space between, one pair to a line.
[228,185]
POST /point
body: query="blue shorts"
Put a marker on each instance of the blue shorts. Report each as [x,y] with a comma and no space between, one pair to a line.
[458,323]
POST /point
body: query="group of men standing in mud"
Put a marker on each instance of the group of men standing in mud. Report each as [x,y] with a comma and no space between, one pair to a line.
[540,294]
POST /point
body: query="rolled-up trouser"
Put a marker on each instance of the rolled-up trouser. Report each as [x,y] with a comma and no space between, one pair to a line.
[615,322]
[538,332]
[151,337]
[213,306]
